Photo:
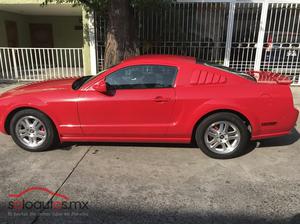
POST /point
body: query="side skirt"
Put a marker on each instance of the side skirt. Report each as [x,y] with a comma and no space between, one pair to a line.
[126,139]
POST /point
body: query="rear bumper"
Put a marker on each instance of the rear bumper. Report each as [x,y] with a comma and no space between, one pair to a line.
[284,127]
[294,118]
[270,135]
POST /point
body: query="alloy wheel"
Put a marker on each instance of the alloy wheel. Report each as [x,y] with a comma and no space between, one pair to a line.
[31,131]
[222,137]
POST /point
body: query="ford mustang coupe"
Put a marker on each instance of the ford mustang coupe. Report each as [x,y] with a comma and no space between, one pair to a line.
[154,98]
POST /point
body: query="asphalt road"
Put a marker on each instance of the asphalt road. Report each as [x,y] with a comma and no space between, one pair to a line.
[134,183]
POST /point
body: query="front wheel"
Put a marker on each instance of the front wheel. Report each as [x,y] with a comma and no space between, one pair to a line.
[32,130]
[222,135]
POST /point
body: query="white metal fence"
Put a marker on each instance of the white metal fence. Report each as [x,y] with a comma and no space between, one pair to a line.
[242,34]
[27,64]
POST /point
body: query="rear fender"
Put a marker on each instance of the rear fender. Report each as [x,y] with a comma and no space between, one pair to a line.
[213,106]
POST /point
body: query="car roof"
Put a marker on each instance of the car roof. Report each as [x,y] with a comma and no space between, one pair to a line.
[160,58]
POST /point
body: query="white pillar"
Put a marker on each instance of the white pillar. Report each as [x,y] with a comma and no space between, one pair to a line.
[230,24]
[261,35]
[92,43]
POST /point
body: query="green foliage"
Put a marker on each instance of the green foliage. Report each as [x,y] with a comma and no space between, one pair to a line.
[97,5]
[101,5]
[149,3]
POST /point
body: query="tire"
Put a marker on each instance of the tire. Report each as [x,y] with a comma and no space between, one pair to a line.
[213,139]
[32,138]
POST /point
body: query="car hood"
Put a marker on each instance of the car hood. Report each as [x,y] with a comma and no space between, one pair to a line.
[52,85]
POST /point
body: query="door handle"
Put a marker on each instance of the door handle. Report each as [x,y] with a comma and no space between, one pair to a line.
[161,99]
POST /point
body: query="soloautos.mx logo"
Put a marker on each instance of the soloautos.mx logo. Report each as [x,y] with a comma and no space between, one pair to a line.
[57,201]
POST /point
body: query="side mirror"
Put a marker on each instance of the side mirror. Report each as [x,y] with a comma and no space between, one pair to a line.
[100,86]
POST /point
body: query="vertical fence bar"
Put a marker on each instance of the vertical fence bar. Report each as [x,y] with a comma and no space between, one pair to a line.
[23,63]
[19,62]
[49,71]
[15,64]
[79,62]
[32,65]
[9,63]
[36,64]
[45,63]
[66,62]
[27,64]
[75,64]
[71,64]
[53,63]
[41,64]
[57,63]
[5,62]
[1,63]
[61,63]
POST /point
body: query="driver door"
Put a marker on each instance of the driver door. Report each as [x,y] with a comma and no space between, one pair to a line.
[140,104]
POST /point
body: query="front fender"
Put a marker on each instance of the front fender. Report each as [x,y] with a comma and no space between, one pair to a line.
[7,107]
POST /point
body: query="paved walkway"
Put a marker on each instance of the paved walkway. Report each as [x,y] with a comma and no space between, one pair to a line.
[7,86]
[296,95]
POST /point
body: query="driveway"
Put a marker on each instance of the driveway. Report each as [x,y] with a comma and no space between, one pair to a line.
[146,183]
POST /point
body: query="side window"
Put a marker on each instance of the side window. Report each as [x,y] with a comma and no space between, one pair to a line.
[143,77]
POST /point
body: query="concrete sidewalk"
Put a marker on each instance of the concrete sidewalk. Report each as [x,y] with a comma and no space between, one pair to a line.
[296,96]
[7,86]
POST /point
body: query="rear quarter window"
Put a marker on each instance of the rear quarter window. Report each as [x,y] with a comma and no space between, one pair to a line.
[227,69]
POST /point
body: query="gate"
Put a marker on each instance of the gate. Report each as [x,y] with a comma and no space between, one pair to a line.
[31,64]
[244,36]
[178,30]
[241,34]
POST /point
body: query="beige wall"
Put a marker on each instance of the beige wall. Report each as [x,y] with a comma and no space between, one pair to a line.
[23,31]
[64,33]
[21,1]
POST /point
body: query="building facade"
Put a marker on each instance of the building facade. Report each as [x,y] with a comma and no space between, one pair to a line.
[43,42]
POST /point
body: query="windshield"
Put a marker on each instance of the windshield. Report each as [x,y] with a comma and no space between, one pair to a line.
[81,81]
[227,69]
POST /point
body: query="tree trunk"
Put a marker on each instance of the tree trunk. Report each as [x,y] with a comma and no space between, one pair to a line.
[121,39]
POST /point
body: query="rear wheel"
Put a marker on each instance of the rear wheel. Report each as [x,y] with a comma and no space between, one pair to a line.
[32,130]
[222,135]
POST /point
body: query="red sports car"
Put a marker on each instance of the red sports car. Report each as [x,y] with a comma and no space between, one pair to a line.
[155,98]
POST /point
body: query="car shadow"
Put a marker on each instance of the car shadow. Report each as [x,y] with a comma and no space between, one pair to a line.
[125,214]
[69,145]
[272,142]
[280,141]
